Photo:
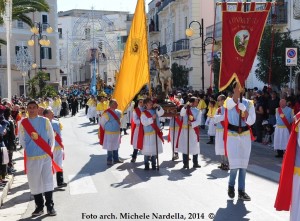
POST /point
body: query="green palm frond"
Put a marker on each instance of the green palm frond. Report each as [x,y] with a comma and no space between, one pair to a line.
[2,42]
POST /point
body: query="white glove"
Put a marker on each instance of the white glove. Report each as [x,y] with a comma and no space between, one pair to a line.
[241,106]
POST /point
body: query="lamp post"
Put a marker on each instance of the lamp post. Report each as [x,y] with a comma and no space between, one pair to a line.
[204,42]
[24,63]
[43,40]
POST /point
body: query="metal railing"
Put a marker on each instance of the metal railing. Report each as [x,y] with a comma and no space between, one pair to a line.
[182,44]
[277,16]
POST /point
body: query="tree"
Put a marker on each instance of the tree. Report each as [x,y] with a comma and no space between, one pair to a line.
[279,71]
[20,9]
[179,75]
[48,91]
[216,70]
[41,78]
[32,90]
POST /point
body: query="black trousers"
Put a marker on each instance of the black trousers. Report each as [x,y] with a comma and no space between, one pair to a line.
[59,178]
[185,158]
[39,200]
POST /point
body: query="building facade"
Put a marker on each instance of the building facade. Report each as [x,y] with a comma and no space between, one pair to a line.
[47,54]
[91,40]
[168,21]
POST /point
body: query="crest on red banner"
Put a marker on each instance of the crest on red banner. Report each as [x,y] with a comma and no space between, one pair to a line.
[241,36]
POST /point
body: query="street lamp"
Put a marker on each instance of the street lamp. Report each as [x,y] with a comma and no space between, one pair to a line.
[23,63]
[37,31]
[204,42]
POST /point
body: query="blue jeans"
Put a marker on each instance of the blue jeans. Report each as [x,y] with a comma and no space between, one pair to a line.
[153,160]
[242,177]
[113,155]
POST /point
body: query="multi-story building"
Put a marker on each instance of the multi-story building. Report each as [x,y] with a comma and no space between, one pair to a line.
[283,17]
[168,21]
[47,54]
[91,40]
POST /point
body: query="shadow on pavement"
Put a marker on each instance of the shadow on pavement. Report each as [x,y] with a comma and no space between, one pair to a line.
[233,212]
[96,164]
[217,173]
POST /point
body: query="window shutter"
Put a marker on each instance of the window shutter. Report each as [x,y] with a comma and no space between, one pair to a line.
[42,53]
[49,53]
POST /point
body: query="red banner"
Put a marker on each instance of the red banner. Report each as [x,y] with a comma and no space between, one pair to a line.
[241,36]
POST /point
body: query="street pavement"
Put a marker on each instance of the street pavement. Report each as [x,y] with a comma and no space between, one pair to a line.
[127,192]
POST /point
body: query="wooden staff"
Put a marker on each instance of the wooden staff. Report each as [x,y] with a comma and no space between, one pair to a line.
[188,140]
[173,146]
[156,151]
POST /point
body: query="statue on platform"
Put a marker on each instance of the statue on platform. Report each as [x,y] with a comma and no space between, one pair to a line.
[100,84]
[163,80]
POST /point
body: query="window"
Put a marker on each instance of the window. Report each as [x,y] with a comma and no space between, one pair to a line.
[60,54]
[20,24]
[45,22]
[17,48]
[60,33]
[46,53]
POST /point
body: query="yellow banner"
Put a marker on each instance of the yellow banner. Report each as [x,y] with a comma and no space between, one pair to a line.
[134,70]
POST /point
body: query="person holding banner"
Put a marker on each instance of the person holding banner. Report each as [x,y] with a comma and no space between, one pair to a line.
[284,118]
[110,136]
[153,137]
[238,135]
[37,138]
[137,133]
[189,133]
[58,152]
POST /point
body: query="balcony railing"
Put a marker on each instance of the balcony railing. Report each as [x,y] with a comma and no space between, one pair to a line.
[164,4]
[277,16]
[182,44]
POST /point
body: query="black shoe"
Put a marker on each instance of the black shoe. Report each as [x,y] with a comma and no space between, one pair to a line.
[146,167]
[118,161]
[61,185]
[210,142]
[231,192]
[244,196]
[133,160]
[196,166]
[38,211]
[185,166]
[153,167]
[221,166]
[279,156]
[51,212]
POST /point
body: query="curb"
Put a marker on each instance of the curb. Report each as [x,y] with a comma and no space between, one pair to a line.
[4,192]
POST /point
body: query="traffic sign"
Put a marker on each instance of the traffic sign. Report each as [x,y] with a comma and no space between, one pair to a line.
[291,56]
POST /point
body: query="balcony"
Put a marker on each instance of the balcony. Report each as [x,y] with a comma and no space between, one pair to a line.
[277,16]
[180,45]
[163,49]
[163,4]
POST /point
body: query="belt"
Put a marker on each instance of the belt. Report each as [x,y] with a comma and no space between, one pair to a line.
[237,128]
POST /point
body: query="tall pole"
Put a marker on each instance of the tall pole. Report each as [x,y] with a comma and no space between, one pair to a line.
[202,52]
[8,13]
[290,77]
[24,76]
[40,37]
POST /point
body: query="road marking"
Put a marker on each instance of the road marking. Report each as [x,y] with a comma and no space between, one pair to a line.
[81,184]
[272,175]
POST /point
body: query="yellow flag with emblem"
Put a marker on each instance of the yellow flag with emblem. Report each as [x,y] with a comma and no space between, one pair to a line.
[134,70]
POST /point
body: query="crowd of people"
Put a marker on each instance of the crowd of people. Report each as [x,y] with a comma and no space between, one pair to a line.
[262,116]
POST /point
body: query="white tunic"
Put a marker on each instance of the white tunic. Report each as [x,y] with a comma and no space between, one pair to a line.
[239,145]
[149,142]
[193,142]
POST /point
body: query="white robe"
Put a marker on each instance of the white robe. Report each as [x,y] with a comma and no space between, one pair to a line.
[239,145]
[149,142]
[194,147]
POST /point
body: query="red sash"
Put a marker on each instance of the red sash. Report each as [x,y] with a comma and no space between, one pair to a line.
[179,122]
[59,141]
[285,121]
[41,143]
[154,126]
[101,129]
[140,132]
[285,188]
[196,129]
[222,122]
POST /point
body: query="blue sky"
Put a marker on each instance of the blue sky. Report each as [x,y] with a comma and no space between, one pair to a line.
[109,5]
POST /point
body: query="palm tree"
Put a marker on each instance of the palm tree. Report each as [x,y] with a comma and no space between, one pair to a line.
[21,8]
[32,90]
